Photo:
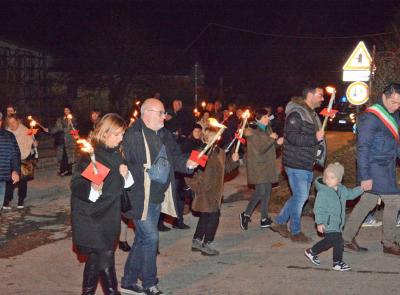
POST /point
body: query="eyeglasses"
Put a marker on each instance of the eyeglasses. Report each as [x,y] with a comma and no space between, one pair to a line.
[161,113]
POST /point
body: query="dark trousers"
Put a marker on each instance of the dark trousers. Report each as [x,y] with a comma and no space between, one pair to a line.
[22,186]
[261,194]
[207,226]
[100,265]
[64,165]
[333,239]
[180,198]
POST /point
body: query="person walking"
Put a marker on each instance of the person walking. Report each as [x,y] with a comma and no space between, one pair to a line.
[330,215]
[261,166]
[96,209]
[208,185]
[10,160]
[304,146]
[153,156]
[377,151]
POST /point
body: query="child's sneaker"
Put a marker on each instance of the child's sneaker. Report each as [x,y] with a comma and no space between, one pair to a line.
[197,245]
[244,220]
[341,266]
[313,258]
[266,222]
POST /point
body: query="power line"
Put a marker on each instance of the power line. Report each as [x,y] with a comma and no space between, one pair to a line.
[282,35]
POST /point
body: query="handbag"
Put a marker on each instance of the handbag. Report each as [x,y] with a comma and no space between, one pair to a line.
[27,169]
[160,169]
[125,202]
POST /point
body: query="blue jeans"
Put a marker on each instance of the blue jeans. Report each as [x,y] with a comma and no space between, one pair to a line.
[142,259]
[2,192]
[300,183]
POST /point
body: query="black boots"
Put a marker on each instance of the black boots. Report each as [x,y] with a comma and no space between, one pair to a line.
[109,281]
[90,279]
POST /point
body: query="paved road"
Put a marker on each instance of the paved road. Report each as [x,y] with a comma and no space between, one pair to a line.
[256,261]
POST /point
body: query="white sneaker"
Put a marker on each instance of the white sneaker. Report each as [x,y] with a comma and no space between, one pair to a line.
[7,208]
[398,222]
[372,223]
[20,207]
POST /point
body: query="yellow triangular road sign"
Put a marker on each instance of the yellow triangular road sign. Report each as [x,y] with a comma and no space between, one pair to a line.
[359,60]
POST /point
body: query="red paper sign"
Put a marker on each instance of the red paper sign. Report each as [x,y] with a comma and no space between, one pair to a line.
[32,131]
[98,178]
[194,156]
[74,133]
[325,112]
[241,139]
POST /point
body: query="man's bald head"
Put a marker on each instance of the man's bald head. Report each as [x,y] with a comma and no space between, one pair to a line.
[153,113]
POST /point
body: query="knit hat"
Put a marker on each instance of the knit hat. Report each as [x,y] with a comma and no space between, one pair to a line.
[336,168]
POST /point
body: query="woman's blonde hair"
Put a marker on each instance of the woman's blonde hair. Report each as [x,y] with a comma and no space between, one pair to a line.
[109,123]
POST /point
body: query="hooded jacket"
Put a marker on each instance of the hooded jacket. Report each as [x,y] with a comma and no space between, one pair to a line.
[301,148]
[330,205]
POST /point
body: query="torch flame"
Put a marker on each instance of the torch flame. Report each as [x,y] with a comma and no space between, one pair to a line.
[138,102]
[195,110]
[203,104]
[213,122]
[30,118]
[330,89]
[132,120]
[69,116]
[246,114]
[135,113]
[32,123]
[86,146]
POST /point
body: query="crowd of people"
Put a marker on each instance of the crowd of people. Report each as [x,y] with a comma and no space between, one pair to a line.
[150,164]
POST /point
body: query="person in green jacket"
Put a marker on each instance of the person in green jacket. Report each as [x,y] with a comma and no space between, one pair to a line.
[330,214]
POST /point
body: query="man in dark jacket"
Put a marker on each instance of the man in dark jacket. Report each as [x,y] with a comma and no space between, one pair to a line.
[304,145]
[377,151]
[142,143]
[10,160]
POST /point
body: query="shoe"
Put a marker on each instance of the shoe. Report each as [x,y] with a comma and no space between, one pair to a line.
[197,245]
[20,207]
[398,222]
[7,208]
[393,249]
[354,246]
[313,258]
[341,266]
[265,223]
[244,220]
[124,246]
[300,238]
[181,225]
[209,250]
[135,289]
[163,228]
[280,229]
[372,223]
[153,291]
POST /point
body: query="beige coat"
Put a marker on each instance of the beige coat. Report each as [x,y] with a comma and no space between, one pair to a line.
[24,140]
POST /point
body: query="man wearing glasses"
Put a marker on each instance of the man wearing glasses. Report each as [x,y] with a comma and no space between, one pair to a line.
[377,151]
[144,142]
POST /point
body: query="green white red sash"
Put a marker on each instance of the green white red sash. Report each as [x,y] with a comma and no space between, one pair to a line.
[386,118]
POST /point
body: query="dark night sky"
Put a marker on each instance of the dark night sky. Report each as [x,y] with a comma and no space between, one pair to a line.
[257,66]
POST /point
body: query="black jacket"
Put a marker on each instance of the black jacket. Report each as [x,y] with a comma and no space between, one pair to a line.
[97,224]
[135,155]
[301,145]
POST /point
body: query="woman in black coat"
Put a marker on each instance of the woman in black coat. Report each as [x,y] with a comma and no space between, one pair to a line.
[96,209]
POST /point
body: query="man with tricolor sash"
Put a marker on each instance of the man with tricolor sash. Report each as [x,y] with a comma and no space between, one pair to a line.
[377,151]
